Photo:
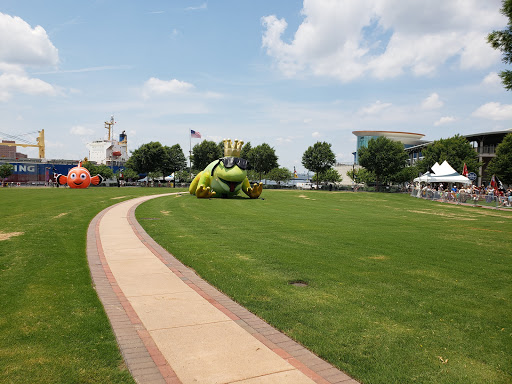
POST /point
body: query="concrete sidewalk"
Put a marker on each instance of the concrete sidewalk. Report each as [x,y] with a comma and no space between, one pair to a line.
[173,327]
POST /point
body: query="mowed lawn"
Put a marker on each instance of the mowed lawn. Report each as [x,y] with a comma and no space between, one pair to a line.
[53,328]
[400,290]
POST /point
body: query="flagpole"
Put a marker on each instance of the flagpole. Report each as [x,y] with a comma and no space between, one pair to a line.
[190,153]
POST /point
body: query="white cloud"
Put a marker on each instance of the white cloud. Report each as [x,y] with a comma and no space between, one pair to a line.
[375,108]
[384,38]
[492,81]
[494,111]
[23,45]
[11,83]
[445,120]
[156,86]
[284,140]
[196,8]
[316,134]
[81,131]
[432,102]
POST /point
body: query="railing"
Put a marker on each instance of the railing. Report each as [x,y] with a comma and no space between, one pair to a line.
[474,199]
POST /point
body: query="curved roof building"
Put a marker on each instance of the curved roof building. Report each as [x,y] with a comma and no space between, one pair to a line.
[408,139]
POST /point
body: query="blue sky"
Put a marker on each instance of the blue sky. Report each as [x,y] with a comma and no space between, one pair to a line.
[288,73]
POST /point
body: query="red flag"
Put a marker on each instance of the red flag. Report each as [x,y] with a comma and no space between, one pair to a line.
[494,184]
[465,171]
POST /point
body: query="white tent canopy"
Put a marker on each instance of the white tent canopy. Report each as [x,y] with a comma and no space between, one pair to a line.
[443,173]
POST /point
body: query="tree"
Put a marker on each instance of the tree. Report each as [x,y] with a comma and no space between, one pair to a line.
[6,170]
[183,176]
[204,153]
[103,170]
[406,174]
[280,175]
[262,159]
[100,169]
[361,175]
[128,174]
[245,153]
[318,158]
[173,161]
[383,157]
[330,175]
[501,165]
[502,41]
[456,150]
[147,158]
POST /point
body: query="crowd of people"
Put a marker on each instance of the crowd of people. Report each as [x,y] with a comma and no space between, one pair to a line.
[464,194]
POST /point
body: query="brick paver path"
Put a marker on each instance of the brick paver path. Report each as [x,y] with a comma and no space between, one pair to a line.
[173,327]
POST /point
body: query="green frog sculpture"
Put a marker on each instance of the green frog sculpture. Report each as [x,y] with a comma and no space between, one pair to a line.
[226,176]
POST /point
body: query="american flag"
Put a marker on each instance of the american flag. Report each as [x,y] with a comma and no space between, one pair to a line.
[195,134]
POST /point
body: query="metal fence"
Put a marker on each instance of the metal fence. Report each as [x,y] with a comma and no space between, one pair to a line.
[489,200]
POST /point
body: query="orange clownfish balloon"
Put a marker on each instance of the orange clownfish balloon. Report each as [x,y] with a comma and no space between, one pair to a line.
[79,177]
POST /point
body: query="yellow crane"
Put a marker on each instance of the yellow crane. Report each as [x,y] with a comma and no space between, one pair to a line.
[40,144]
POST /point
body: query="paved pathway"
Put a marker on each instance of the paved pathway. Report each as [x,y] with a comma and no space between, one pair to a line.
[173,327]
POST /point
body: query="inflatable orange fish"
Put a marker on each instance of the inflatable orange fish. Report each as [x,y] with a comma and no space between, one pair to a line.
[79,177]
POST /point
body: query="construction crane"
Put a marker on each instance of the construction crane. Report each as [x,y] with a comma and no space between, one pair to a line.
[40,144]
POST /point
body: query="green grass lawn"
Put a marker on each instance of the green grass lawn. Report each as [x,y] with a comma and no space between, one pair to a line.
[52,325]
[400,290]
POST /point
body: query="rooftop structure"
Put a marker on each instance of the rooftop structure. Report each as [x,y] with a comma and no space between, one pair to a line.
[408,139]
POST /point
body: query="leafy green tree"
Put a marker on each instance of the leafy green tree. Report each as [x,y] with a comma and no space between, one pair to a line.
[501,165]
[362,175]
[262,158]
[103,170]
[318,158]
[204,153]
[221,148]
[252,175]
[245,150]
[502,41]
[244,153]
[456,150]
[405,175]
[98,169]
[128,174]
[330,175]
[280,175]
[173,161]
[147,158]
[383,157]
[183,176]
[6,170]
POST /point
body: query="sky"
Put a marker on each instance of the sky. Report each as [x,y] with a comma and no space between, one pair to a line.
[287,73]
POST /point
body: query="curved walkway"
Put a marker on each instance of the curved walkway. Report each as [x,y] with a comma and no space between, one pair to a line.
[173,327]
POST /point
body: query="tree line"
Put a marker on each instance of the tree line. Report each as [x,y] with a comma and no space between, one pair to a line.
[155,159]
[384,161]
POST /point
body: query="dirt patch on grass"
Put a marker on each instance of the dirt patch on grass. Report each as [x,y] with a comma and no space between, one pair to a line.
[165,213]
[443,214]
[485,229]
[117,198]
[60,215]
[379,257]
[305,197]
[8,235]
